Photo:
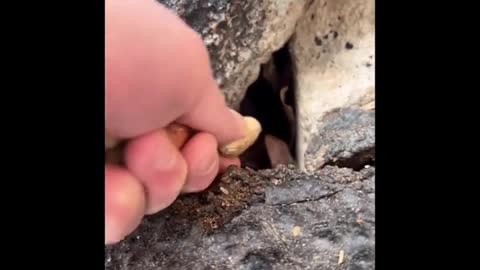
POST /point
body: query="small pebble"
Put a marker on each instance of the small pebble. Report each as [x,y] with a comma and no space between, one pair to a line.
[296,231]
[224,190]
[276,181]
[341,256]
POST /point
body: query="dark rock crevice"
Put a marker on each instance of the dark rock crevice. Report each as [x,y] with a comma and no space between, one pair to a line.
[270,99]
[322,197]
[358,161]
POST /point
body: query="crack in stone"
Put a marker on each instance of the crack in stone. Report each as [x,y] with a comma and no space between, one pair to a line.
[322,197]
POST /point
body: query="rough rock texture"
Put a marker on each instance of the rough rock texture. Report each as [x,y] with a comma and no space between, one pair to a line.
[331,45]
[333,53]
[256,229]
[345,137]
[240,35]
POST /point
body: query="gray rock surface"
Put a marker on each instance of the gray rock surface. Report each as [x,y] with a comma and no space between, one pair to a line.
[240,35]
[345,137]
[245,230]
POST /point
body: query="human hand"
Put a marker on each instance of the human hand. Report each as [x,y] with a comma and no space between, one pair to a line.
[157,73]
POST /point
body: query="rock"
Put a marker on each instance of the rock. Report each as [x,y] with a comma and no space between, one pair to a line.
[333,53]
[310,189]
[240,36]
[332,48]
[249,233]
[345,137]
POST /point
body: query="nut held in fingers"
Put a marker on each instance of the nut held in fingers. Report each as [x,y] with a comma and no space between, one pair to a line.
[236,148]
[179,134]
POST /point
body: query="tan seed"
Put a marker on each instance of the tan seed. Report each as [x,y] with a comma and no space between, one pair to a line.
[236,148]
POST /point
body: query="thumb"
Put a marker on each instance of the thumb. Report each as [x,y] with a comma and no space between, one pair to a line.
[212,115]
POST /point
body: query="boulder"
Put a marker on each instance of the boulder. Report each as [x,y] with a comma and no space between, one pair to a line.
[271,219]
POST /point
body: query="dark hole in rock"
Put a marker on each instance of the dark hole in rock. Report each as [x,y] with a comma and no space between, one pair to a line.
[356,162]
[271,100]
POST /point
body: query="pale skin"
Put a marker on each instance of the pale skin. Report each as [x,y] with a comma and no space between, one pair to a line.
[157,73]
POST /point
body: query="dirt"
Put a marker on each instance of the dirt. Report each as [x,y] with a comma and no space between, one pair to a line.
[222,201]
